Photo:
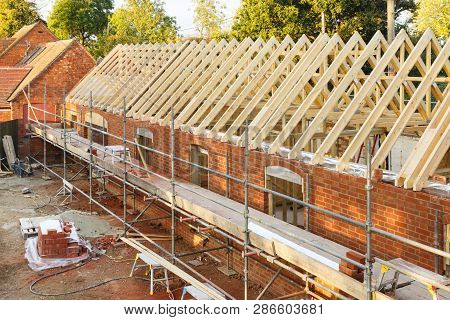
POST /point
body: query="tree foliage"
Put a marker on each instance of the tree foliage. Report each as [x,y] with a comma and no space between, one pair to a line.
[14,14]
[267,18]
[81,19]
[138,21]
[209,17]
[434,14]
[278,18]
[364,16]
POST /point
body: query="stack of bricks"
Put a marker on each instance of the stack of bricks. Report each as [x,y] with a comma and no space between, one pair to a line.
[56,243]
[105,242]
[350,269]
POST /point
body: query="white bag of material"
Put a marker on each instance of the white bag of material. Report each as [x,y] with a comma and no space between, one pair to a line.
[37,263]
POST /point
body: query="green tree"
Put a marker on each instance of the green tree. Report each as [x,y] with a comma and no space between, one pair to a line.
[81,19]
[209,17]
[267,18]
[434,14]
[14,14]
[138,21]
[365,16]
[278,18]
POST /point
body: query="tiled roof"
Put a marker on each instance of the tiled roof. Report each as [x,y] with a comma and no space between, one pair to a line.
[51,51]
[10,78]
[6,44]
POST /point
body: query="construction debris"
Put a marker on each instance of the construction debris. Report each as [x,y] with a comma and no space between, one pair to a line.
[26,190]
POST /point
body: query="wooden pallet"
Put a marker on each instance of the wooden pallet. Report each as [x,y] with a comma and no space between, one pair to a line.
[29,226]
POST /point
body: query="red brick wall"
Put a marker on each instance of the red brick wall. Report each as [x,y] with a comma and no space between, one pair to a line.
[5,115]
[62,75]
[402,212]
[39,34]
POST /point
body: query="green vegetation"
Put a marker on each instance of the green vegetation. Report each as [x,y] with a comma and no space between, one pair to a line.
[138,21]
[209,18]
[266,18]
[14,14]
[100,28]
[434,14]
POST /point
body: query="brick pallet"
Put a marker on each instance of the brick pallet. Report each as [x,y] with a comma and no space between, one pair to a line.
[58,243]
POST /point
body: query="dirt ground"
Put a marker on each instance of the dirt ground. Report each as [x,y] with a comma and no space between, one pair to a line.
[16,276]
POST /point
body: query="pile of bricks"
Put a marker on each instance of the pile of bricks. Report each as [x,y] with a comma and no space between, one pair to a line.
[57,243]
[350,269]
[105,242]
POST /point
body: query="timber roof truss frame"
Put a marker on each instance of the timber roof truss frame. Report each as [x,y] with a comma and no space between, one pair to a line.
[298,96]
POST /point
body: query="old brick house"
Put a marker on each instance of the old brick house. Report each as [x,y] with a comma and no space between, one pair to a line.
[33,59]
[23,42]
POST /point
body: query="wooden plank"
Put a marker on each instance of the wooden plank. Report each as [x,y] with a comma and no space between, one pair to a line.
[152,78]
[328,106]
[367,88]
[213,63]
[214,81]
[318,88]
[303,42]
[199,54]
[167,79]
[411,107]
[173,268]
[377,112]
[149,62]
[277,103]
[283,48]
[433,161]
[138,105]
[241,77]
[8,146]
[424,147]
[235,75]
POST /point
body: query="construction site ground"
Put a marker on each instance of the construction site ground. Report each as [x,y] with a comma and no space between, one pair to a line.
[16,276]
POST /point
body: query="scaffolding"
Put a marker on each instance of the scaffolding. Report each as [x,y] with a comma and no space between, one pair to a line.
[46,132]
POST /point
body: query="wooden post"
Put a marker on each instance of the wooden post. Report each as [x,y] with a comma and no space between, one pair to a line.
[390,20]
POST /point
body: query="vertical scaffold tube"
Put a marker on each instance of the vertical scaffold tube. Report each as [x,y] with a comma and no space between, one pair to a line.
[369,188]
[172,180]
[125,166]
[246,235]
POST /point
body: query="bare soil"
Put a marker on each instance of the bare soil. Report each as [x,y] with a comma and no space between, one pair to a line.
[16,276]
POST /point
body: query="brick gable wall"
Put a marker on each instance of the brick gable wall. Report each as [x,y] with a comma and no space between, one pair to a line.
[62,75]
[39,34]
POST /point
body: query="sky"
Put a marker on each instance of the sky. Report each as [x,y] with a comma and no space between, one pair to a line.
[182,10]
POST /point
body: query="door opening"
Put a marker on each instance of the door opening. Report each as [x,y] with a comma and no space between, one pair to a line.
[200,157]
[287,182]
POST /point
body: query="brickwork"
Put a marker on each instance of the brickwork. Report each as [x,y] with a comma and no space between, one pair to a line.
[53,244]
[60,77]
[397,210]
[39,34]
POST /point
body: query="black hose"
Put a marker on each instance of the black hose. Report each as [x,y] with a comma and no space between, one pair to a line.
[74,291]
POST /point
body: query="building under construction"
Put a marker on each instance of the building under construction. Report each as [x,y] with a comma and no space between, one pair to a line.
[318,165]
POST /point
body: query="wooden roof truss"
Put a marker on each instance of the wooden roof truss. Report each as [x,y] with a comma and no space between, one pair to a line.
[297,96]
